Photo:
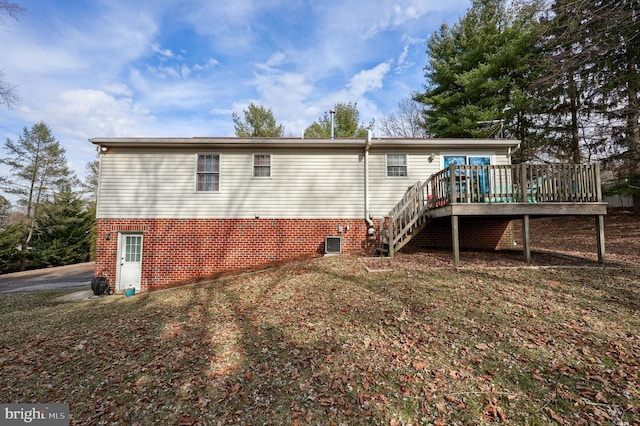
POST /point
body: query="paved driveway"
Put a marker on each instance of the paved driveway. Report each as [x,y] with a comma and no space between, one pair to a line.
[71,277]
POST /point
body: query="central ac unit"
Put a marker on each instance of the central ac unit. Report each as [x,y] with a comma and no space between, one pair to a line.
[332,245]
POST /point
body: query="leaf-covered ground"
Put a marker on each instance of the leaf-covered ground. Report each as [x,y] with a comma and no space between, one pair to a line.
[339,340]
[326,341]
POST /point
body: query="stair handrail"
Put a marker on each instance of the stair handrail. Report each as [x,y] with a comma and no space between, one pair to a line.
[407,212]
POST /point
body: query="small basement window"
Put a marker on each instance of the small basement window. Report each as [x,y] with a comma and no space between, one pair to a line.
[208,173]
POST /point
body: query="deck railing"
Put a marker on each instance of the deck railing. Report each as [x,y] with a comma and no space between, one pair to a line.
[406,216]
[520,183]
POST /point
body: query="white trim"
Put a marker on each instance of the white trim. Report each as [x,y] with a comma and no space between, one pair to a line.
[304,143]
[119,286]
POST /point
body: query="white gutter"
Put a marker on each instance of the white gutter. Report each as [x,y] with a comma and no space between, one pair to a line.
[367,216]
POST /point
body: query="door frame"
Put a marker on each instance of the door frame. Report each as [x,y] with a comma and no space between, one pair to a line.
[119,260]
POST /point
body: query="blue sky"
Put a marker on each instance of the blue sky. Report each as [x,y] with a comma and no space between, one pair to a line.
[102,68]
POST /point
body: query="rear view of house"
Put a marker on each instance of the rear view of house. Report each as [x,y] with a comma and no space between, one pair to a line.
[175,208]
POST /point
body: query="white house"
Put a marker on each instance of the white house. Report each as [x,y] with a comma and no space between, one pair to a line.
[170,209]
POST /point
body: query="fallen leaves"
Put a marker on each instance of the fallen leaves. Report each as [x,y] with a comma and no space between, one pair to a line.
[323,341]
[493,412]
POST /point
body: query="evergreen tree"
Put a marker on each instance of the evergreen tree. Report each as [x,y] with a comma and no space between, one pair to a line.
[90,189]
[259,122]
[346,123]
[478,70]
[5,206]
[63,231]
[39,167]
[10,237]
[90,184]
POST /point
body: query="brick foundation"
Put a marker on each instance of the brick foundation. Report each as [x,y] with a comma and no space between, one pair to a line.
[480,233]
[179,249]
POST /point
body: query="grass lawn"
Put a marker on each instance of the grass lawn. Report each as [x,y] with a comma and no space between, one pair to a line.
[324,341]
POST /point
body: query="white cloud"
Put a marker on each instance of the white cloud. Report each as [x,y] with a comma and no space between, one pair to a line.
[82,112]
[117,89]
[412,44]
[76,115]
[275,60]
[403,12]
[228,23]
[167,53]
[223,111]
[164,72]
[286,93]
[209,64]
[368,80]
[290,95]
[185,71]
[402,59]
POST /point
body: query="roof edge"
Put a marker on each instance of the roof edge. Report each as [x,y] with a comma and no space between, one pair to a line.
[226,142]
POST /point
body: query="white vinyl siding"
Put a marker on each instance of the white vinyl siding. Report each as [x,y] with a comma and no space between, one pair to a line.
[385,192]
[305,183]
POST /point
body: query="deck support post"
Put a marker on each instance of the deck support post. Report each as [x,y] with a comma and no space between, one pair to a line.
[455,241]
[526,240]
[600,237]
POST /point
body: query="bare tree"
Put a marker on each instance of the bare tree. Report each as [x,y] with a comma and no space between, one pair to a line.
[408,121]
[8,95]
[598,43]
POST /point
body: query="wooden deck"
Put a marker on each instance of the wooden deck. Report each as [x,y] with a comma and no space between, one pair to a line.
[518,209]
[517,191]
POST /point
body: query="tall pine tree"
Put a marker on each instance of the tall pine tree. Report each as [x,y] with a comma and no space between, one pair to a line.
[38,169]
[478,69]
[63,231]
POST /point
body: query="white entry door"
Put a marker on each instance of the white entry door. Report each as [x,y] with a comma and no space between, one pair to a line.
[130,262]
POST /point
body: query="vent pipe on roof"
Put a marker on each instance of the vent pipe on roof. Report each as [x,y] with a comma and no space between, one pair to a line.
[332,112]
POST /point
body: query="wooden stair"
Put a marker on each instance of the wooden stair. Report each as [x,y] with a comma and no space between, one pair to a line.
[405,220]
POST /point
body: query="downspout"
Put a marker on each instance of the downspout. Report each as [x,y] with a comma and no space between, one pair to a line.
[367,216]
